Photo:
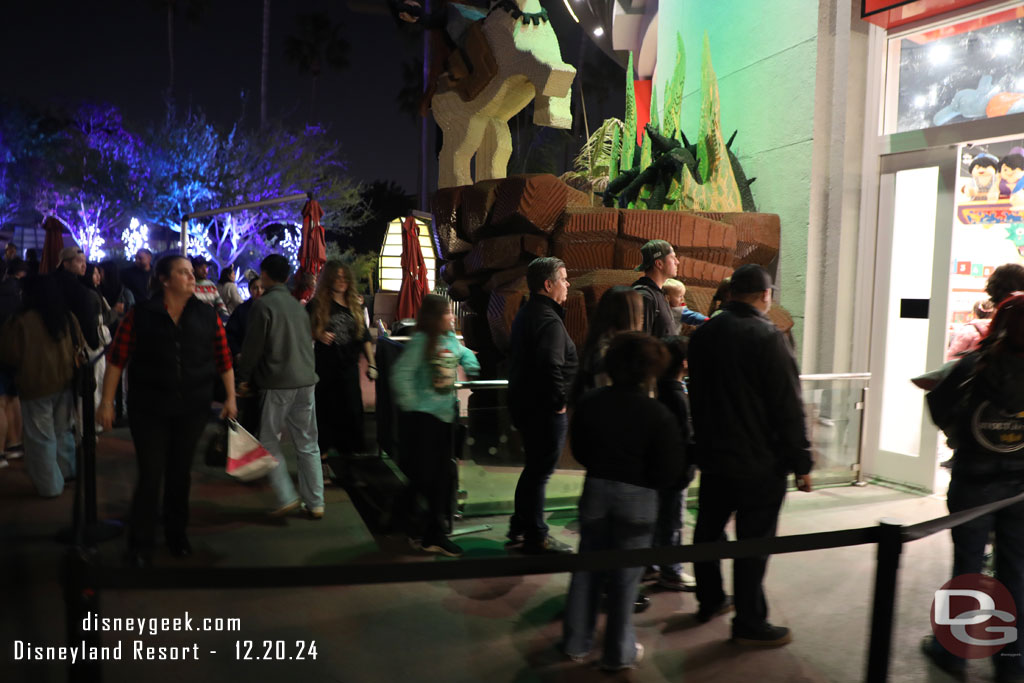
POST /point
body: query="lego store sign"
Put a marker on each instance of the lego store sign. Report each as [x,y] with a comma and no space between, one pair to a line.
[892,13]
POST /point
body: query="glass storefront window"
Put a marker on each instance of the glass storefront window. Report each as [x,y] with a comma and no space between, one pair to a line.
[988,230]
[969,69]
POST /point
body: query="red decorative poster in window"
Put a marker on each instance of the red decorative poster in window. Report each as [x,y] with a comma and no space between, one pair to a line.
[963,267]
[892,13]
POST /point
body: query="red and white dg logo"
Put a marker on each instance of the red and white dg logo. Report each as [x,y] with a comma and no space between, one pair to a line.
[974,616]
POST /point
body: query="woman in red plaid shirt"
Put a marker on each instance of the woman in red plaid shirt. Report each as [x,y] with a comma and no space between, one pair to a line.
[177,348]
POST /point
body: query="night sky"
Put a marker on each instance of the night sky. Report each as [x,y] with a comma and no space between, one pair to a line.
[116,51]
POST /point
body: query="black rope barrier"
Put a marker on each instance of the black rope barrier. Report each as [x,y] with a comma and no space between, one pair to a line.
[932,526]
[158,578]
[84,579]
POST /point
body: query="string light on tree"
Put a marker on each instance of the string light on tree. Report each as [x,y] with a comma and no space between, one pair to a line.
[135,236]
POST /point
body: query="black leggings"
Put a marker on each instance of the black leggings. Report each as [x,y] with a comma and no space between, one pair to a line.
[426,458]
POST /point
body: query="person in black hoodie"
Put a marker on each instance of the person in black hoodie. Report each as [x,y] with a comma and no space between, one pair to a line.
[542,365]
[630,444]
[750,433]
[980,407]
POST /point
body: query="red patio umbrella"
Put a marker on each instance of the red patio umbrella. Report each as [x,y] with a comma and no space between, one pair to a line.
[414,271]
[52,245]
[313,252]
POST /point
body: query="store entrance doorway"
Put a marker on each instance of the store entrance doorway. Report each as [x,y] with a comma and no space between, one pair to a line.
[909,312]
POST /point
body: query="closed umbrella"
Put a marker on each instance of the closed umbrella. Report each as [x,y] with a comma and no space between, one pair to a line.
[313,252]
[52,245]
[414,271]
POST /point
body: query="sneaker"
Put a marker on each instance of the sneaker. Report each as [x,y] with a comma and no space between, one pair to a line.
[765,635]
[957,668]
[14,452]
[3,462]
[316,512]
[285,509]
[515,541]
[706,614]
[678,582]
[443,546]
[548,546]
[576,657]
[650,574]
[632,665]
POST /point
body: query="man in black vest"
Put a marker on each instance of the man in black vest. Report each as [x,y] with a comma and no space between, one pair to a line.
[542,365]
[659,263]
[748,420]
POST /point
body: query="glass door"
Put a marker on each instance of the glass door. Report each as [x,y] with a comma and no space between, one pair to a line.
[911,296]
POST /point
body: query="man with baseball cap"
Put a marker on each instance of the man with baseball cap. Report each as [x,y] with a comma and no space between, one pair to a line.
[750,434]
[79,300]
[659,263]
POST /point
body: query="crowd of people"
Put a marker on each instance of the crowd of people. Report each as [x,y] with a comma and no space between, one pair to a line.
[166,341]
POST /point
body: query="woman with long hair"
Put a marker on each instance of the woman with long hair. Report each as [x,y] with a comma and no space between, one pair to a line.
[336,316]
[228,288]
[980,407]
[423,382]
[630,444]
[620,309]
[40,343]
[177,348]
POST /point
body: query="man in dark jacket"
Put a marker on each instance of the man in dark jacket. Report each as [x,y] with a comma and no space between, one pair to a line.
[542,365]
[750,434]
[659,263]
[79,300]
[137,278]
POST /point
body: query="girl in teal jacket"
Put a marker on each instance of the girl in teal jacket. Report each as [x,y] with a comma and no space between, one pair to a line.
[423,382]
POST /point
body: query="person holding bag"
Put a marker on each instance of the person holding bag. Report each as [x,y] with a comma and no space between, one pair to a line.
[177,348]
[423,381]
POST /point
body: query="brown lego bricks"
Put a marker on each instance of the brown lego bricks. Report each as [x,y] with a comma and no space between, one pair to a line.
[506,277]
[501,311]
[444,228]
[580,257]
[587,224]
[528,203]
[690,235]
[507,251]
[757,235]
[595,283]
[576,317]
[451,271]
[477,201]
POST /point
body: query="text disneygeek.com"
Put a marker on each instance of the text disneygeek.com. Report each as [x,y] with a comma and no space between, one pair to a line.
[141,650]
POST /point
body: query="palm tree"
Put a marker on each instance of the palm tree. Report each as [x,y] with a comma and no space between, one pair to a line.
[194,10]
[317,43]
[264,61]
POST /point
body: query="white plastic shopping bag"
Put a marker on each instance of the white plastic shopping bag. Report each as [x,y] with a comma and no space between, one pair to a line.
[247,458]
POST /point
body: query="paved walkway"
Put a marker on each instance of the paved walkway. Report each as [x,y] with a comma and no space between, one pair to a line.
[486,630]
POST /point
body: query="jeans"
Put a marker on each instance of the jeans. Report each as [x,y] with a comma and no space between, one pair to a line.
[164,448]
[756,503]
[543,441]
[668,530]
[969,541]
[294,409]
[613,516]
[49,441]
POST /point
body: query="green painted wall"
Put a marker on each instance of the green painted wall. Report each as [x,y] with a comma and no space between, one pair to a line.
[764,55]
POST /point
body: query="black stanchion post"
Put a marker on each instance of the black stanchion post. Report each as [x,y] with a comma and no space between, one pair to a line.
[80,600]
[890,545]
